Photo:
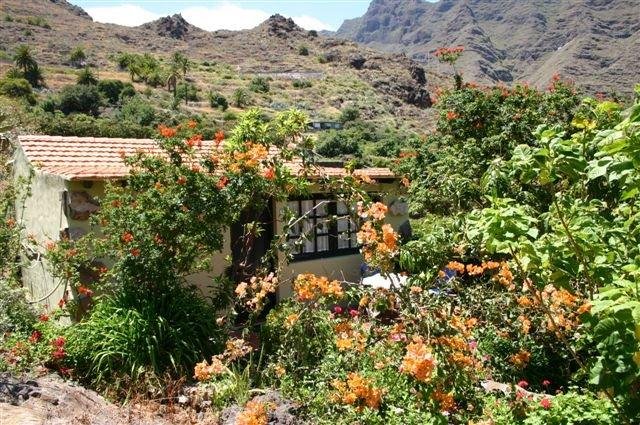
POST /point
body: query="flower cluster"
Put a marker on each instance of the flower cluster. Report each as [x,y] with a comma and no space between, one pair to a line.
[449,54]
[254,413]
[249,159]
[235,349]
[348,338]
[357,391]
[309,287]
[379,241]
[259,288]
[418,360]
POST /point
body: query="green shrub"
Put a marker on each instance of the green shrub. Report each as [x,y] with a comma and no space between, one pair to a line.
[301,84]
[229,116]
[259,85]
[38,21]
[18,88]
[88,126]
[79,98]
[87,77]
[216,100]
[138,111]
[303,50]
[240,98]
[112,89]
[77,57]
[127,91]
[132,340]
[349,114]
[334,144]
[187,92]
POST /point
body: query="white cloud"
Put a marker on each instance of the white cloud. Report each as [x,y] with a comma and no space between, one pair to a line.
[126,14]
[225,15]
[311,23]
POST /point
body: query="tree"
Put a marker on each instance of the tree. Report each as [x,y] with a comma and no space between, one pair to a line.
[240,98]
[348,114]
[172,80]
[216,100]
[17,87]
[77,57]
[180,62]
[23,58]
[87,77]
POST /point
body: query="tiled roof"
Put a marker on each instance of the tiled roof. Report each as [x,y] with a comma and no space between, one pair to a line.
[97,158]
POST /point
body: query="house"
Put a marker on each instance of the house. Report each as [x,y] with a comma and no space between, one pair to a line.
[69,180]
[325,125]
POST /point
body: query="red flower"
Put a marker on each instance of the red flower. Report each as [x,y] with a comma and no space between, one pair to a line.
[452,115]
[545,403]
[523,384]
[354,313]
[58,353]
[337,309]
[43,317]
[135,252]
[36,336]
[62,302]
[195,140]
[546,383]
[166,131]
[83,290]
[126,237]
[192,124]
[59,342]
[269,173]
[222,183]
[219,136]
[182,180]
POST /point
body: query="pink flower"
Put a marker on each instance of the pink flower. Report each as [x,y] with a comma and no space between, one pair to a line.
[354,313]
[546,383]
[473,345]
[337,309]
[545,403]
[523,384]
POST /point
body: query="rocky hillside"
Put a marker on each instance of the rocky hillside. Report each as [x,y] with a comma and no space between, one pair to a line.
[593,42]
[388,87]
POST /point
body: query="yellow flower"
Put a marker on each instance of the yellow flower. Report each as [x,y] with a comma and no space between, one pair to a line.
[291,320]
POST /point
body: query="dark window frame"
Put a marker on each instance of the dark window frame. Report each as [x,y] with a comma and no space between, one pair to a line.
[331,232]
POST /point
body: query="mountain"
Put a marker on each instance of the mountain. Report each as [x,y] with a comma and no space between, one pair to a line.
[387,87]
[596,43]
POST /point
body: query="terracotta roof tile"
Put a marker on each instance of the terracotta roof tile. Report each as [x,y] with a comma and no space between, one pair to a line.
[96,158]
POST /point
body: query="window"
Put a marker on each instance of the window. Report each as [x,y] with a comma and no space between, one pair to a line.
[324,229]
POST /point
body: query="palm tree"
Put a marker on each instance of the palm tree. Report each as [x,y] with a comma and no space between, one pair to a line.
[240,98]
[172,80]
[181,62]
[24,59]
[86,77]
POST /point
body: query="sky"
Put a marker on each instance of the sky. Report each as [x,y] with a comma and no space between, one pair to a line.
[226,14]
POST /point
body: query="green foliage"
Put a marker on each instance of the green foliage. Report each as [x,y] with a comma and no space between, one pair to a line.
[79,98]
[349,114]
[87,77]
[259,85]
[24,61]
[187,91]
[77,57]
[138,111]
[133,340]
[240,98]
[85,125]
[303,50]
[112,90]
[334,144]
[38,21]
[216,100]
[302,84]
[18,88]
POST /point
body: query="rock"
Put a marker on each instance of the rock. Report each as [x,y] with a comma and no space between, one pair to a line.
[357,61]
[170,26]
[279,26]
[417,73]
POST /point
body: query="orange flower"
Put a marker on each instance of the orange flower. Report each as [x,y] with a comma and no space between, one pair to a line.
[167,131]
[83,290]
[222,183]
[219,136]
[452,115]
[418,361]
[126,237]
[269,173]
[456,266]
[291,320]
[192,124]
[445,400]
[521,358]
[357,391]
[309,287]
[182,180]
[195,140]
[135,252]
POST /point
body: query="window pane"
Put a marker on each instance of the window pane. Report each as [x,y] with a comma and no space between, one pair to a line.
[309,245]
[307,206]
[342,208]
[343,224]
[323,243]
[321,210]
[343,240]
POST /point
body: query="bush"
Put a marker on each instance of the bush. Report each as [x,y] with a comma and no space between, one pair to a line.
[334,144]
[77,57]
[112,89]
[127,91]
[79,98]
[187,92]
[18,88]
[133,340]
[138,111]
[240,98]
[88,126]
[349,114]
[87,77]
[259,85]
[303,51]
[301,84]
[216,100]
